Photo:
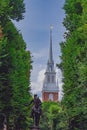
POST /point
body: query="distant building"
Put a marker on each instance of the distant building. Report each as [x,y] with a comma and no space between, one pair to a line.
[50,90]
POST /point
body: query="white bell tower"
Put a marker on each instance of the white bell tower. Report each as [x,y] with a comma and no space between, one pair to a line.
[50,86]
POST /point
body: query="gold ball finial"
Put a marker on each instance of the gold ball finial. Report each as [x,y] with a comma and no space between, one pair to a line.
[51,27]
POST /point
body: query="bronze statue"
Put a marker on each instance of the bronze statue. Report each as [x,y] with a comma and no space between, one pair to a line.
[36,110]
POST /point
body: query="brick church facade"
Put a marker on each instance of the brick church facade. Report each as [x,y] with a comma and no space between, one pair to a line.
[50,91]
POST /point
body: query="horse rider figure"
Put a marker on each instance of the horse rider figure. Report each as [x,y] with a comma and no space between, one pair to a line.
[36,108]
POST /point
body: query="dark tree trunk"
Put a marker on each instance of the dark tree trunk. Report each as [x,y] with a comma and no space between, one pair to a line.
[7,119]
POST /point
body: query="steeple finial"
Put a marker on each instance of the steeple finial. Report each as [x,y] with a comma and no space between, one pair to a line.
[50,51]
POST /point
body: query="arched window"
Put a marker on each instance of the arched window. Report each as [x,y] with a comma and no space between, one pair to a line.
[51,97]
[50,68]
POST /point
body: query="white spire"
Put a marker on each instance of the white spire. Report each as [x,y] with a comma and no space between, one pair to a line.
[50,87]
[50,60]
[50,63]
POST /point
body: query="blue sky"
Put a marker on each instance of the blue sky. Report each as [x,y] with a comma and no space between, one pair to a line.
[35,28]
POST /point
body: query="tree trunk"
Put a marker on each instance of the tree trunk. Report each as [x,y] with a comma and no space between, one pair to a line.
[7,119]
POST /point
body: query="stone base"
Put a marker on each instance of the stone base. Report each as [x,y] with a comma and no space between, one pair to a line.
[34,128]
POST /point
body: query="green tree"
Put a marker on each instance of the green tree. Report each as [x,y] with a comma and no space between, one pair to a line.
[15,81]
[15,67]
[11,9]
[74,64]
[51,112]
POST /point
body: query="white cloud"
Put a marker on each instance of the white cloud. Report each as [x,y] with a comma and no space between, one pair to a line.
[41,75]
[37,85]
[60,83]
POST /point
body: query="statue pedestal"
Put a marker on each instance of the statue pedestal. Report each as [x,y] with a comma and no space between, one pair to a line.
[34,128]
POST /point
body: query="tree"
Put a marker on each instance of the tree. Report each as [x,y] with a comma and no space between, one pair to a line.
[51,116]
[74,64]
[11,9]
[15,67]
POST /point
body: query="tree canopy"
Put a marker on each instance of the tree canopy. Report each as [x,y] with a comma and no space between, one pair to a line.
[12,9]
[15,67]
[74,64]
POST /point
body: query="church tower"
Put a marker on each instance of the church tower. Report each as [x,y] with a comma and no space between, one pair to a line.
[50,86]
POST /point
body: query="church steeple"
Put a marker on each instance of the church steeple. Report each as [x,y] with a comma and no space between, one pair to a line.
[50,60]
[50,63]
[50,87]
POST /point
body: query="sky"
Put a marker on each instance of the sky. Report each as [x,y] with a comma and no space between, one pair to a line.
[35,29]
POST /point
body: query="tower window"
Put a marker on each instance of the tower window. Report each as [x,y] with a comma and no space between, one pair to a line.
[50,68]
[52,78]
[48,78]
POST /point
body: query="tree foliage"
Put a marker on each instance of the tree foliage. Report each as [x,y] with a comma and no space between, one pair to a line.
[74,64]
[51,116]
[15,67]
[12,9]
